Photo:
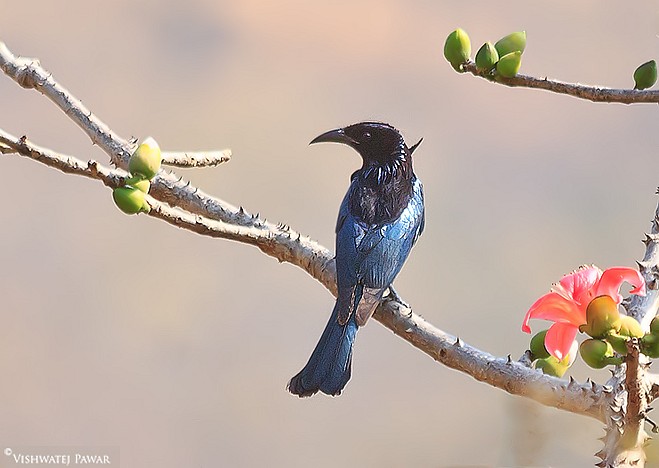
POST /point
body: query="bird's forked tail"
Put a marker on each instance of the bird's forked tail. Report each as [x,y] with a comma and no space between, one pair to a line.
[328,369]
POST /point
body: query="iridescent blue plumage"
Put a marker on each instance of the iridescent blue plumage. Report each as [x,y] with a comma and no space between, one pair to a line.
[380,219]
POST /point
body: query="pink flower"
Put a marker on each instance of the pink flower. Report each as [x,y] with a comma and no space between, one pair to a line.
[566,304]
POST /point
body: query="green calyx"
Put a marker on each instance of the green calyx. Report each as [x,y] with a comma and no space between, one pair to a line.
[602,317]
[486,57]
[537,346]
[650,345]
[645,76]
[457,48]
[552,366]
[654,326]
[630,327]
[598,353]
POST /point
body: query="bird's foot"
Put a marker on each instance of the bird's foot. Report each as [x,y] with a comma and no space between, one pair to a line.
[393,295]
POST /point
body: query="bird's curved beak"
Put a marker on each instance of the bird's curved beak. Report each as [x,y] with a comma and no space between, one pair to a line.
[334,136]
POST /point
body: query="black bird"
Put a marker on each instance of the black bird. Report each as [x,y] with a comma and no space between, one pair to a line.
[380,219]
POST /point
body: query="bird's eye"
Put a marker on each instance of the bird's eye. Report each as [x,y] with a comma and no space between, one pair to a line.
[366,136]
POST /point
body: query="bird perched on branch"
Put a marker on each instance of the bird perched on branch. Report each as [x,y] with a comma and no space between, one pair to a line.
[379,221]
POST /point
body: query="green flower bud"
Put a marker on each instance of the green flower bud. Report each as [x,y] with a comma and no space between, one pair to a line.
[509,64]
[654,326]
[598,353]
[146,159]
[645,76]
[552,366]
[130,200]
[650,345]
[515,42]
[602,317]
[537,346]
[486,57]
[457,48]
[630,327]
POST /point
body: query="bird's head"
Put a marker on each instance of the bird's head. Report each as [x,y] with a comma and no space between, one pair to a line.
[375,141]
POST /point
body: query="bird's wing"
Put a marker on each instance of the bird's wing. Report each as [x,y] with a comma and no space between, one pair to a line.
[368,258]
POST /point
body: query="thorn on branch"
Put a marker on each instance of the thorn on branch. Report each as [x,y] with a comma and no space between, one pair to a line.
[93,167]
[655,428]
[25,76]
[649,238]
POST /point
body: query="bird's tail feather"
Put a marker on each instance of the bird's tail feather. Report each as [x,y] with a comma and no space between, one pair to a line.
[328,369]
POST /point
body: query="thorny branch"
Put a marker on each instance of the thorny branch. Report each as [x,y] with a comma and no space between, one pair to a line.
[626,415]
[196,211]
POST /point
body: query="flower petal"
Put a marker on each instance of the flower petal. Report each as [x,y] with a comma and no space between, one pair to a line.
[552,306]
[612,279]
[574,350]
[559,339]
[581,281]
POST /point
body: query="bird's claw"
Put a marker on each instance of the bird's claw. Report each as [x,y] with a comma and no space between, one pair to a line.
[393,295]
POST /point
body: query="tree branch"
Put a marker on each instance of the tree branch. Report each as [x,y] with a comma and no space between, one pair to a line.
[590,93]
[626,415]
[66,164]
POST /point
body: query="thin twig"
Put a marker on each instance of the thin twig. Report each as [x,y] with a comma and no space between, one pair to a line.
[195,158]
[590,93]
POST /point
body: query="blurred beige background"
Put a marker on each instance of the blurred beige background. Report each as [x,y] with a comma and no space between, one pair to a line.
[177,348]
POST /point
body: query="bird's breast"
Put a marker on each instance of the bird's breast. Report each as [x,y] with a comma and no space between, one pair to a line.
[381,203]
